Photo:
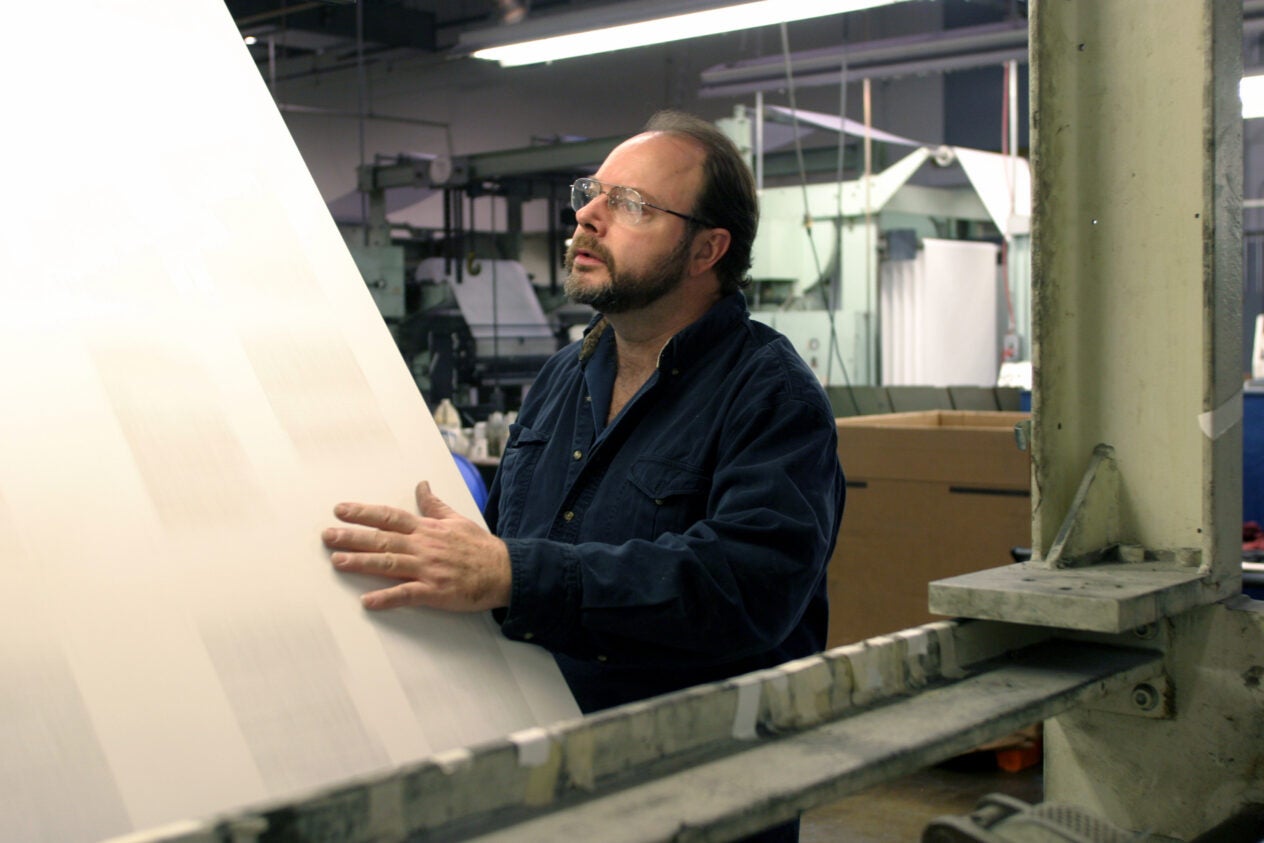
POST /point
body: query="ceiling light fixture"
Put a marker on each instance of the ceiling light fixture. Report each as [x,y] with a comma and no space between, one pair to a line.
[1251,89]
[632,24]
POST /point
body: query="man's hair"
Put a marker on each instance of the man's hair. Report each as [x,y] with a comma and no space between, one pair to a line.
[727,198]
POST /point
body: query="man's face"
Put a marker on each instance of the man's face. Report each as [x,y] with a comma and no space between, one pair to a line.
[618,264]
[623,290]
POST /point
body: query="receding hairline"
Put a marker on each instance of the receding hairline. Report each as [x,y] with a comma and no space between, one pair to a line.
[695,163]
[681,138]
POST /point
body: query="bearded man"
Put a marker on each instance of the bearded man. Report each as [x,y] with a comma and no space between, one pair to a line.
[669,498]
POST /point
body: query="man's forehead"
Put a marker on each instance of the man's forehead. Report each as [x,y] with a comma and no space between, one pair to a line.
[653,161]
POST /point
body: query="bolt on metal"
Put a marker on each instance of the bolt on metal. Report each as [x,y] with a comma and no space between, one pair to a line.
[1145,697]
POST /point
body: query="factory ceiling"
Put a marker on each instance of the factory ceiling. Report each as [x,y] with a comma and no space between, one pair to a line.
[292,39]
[312,36]
[342,30]
[298,37]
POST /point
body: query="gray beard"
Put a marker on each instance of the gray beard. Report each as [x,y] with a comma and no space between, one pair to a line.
[626,291]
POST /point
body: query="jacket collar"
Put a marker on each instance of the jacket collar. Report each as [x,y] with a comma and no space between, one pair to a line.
[689,343]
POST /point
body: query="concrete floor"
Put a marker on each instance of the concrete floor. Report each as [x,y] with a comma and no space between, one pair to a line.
[898,811]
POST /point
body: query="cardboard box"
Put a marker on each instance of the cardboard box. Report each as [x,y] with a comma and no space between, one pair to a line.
[929,495]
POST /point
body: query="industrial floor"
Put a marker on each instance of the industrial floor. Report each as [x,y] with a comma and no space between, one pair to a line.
[898,811]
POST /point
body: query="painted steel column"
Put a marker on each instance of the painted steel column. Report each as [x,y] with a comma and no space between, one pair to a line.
[1136,298]
[1137,152]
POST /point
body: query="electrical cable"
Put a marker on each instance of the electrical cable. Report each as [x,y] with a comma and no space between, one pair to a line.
[1009,143]
[362,96]
[498,399]
[834,300]
[834,345]
[798,150]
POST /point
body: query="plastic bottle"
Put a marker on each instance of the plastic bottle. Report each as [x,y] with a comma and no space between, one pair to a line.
[497,433]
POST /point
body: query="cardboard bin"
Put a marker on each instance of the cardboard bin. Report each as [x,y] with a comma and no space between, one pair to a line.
[929,495]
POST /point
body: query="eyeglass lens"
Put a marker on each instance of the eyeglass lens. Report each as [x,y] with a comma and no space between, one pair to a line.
[623,199]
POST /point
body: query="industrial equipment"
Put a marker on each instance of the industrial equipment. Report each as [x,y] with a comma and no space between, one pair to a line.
[466,313]
[715,762]
[478,335]
[895,277]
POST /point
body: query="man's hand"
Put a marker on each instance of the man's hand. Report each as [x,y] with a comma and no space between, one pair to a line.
[446,561]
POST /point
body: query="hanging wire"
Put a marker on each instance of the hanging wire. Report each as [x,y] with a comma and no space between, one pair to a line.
[869,245]
[798,148]
[834,302]
[840,170]
[362,94]
[1009,144]
[834,351]
[497,392]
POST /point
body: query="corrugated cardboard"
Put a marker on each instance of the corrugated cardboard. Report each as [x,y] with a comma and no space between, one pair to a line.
[930,495]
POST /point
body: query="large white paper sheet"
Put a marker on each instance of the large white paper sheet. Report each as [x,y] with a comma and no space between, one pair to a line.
[194,375]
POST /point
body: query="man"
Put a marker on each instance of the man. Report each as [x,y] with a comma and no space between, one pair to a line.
[668,501]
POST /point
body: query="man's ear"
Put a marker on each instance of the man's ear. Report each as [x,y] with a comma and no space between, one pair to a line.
[708,247]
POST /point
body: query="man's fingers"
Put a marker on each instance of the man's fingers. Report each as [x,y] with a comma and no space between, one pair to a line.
[423,494]
[395,565]
[429,505]
[405,594]
[440,558]
[371,541]
[381,517]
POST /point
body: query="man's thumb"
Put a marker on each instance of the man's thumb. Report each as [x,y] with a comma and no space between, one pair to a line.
[428,504]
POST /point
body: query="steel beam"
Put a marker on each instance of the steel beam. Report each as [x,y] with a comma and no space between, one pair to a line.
[1136,268]
[720,761]
[1137,434]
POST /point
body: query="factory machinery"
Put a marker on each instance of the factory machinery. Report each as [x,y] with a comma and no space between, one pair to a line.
[1126,633]
[472,326]
[720,761]
[853,297]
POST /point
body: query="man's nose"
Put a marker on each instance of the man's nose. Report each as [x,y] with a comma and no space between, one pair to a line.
[595,215]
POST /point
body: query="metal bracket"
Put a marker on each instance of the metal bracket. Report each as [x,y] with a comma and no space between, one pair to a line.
[1091,580]
[1152,698]
[1092,525]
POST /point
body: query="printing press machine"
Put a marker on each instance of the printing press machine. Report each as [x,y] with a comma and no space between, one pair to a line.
[479,330]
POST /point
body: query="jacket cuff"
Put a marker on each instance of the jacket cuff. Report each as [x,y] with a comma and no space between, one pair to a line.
[544,593]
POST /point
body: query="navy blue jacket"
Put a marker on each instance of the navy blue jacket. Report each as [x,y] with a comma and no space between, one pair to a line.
[687,540]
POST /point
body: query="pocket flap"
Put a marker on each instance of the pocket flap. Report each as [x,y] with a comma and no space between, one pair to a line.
[520,435]
[659,478]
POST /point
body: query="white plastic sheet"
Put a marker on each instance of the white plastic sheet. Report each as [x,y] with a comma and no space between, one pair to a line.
[194,374]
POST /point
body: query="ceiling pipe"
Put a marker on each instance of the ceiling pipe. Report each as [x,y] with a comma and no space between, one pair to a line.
[953,49]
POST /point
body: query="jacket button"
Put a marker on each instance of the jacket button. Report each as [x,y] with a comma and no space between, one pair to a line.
[658,501]
[527,636]
[568,515]
[579,455]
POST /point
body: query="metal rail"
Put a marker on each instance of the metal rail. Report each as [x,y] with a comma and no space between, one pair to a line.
[718,761]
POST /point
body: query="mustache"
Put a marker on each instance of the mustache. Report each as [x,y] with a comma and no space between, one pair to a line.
[585,242]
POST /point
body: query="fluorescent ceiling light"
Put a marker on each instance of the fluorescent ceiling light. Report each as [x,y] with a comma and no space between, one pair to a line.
[1251,90]
[533,45]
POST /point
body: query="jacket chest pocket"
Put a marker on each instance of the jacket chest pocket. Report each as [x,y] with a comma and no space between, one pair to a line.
[663,496]
[517,465]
